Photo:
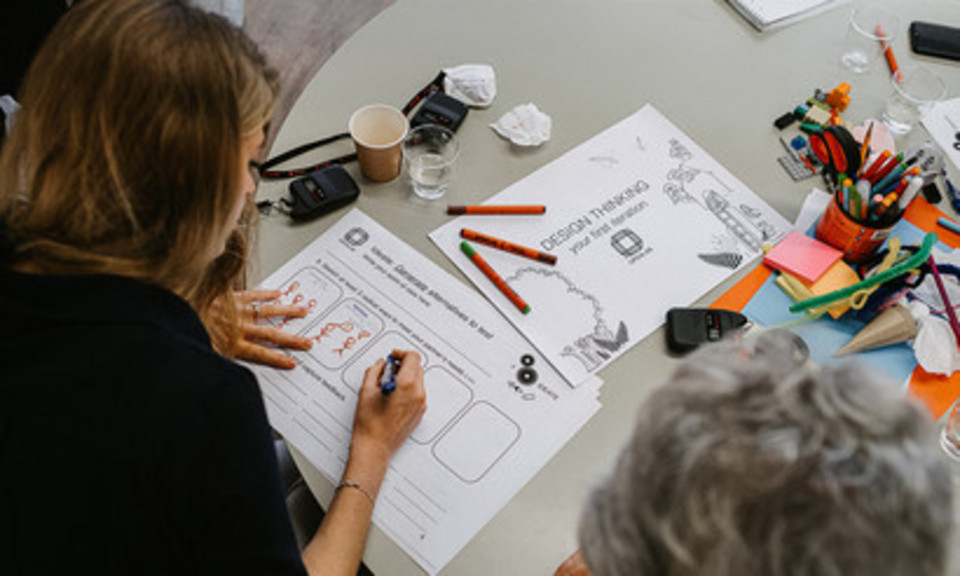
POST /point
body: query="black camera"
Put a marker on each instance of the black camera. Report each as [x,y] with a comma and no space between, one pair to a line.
[441,109]
[321,192]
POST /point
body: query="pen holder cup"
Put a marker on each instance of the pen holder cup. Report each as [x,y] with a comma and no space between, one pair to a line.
[857,241]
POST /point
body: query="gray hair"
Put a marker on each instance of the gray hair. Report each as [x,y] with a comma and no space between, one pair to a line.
[749,463]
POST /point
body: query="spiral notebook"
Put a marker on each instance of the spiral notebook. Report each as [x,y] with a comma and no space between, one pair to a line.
[766,14]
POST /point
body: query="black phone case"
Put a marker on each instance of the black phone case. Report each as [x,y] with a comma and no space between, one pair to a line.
[935,40]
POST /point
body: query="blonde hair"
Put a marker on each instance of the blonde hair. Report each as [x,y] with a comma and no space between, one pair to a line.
[124,157]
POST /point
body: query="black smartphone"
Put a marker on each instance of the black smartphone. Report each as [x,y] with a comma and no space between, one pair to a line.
[935,40]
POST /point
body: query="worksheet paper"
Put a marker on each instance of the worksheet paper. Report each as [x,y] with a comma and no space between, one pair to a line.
[641,220]
[496,410]
[942,121]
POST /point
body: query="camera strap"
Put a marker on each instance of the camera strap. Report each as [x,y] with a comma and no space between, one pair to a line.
[436,85]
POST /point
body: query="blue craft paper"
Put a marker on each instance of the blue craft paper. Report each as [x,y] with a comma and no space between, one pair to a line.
[770,307]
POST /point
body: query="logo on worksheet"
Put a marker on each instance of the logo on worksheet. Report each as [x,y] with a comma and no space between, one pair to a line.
[356,237]
[629,245]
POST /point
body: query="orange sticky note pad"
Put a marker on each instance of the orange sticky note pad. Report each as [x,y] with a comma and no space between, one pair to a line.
[838,276]
[802,256]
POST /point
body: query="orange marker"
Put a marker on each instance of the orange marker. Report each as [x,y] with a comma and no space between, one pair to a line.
[489,209]
[494,277]
[508,246]
[888,53]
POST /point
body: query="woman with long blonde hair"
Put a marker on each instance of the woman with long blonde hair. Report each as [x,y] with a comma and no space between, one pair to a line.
[129,442]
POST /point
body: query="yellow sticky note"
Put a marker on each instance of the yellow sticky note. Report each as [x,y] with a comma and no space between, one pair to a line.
[838,276]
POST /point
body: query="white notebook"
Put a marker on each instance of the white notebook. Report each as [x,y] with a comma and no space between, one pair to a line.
[765,14]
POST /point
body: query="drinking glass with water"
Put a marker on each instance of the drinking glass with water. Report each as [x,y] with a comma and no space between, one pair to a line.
[430,151]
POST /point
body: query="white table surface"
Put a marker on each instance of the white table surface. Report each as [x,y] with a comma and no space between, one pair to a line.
[588,64]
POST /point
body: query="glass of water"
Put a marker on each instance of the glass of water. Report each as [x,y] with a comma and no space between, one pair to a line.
[913,93]
[430,151]
[869,30]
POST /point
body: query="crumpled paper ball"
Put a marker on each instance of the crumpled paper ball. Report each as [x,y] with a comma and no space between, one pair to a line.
[525,125]
[473,84]
[935,346]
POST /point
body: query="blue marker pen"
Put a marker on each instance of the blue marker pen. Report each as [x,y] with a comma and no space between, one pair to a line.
[953,193]
[388,381]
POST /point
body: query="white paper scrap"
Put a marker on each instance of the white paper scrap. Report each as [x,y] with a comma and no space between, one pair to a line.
[525,125]
[473,84]
[497,411]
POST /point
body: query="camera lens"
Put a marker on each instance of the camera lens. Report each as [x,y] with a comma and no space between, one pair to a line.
[527,360]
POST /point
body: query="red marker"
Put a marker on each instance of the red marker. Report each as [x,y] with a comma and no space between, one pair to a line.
[870,172]
[494,277]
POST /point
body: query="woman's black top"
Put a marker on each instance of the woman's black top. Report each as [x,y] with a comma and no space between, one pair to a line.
[127,444]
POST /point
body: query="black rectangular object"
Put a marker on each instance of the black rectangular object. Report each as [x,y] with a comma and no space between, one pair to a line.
[441,109]
[321,192]
[688,328]
[935,40]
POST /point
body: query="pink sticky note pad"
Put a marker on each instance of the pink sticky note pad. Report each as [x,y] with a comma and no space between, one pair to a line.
[803,256]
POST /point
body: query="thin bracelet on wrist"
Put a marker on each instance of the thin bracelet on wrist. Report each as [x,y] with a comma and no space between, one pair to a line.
[349,484]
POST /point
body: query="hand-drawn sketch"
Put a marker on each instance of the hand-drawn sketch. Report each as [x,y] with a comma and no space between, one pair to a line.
[593,347]
[322,291]
[729,260]
[686,183]
[339,335]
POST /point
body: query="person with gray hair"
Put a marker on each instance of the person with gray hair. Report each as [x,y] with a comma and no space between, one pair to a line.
[749,462]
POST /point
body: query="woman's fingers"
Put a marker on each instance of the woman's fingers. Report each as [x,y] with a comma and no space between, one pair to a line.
[256,311]
[257,304]
[262,355]
[248,296]
[275,336]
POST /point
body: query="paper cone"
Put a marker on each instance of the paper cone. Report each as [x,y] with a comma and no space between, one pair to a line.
[892,326]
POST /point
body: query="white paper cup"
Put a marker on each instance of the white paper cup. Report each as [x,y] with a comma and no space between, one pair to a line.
[378,131]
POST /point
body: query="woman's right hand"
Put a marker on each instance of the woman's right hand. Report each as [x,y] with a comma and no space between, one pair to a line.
[382,423]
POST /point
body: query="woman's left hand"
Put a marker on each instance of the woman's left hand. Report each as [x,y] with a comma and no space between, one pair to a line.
[255,339]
